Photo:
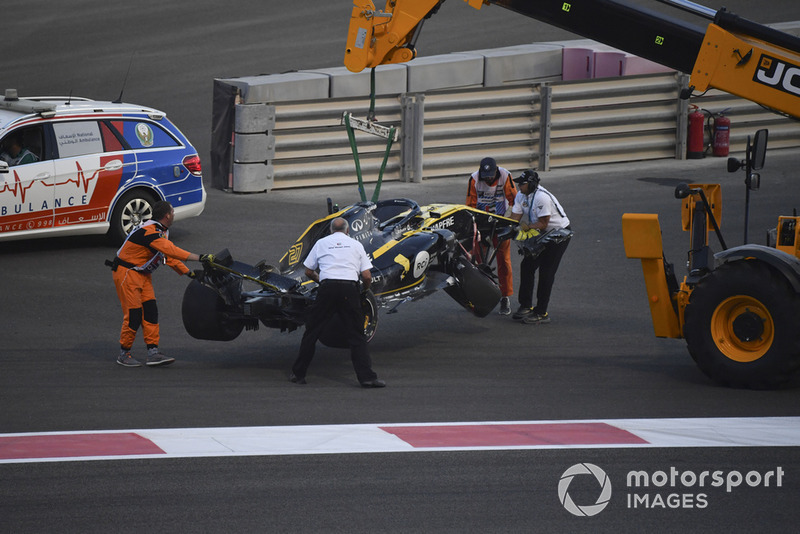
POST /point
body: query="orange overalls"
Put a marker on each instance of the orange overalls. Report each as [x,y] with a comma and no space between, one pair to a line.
[496,198]
[143,251]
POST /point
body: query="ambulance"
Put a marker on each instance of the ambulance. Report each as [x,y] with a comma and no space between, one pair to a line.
[72,166]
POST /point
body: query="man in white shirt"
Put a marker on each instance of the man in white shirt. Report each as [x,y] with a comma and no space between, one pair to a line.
[336,262]
[536,208]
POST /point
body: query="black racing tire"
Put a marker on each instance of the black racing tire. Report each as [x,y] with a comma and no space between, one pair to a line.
[741,326]
[476,290]
[133,208]
[203,315]
[332,334]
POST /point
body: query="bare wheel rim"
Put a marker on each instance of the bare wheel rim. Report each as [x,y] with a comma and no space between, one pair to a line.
[135,212]
[742,328]
[370,319]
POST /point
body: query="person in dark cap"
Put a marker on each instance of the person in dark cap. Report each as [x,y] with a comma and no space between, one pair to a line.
[538,211]
[491,189]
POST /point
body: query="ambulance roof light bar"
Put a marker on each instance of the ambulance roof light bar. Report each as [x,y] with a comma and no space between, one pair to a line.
[12,102]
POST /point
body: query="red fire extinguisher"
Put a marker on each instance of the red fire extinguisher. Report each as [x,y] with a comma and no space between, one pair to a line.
[695,142]
[720,140]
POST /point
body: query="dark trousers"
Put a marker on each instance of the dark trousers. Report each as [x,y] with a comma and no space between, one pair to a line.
[547,264]
[343,298]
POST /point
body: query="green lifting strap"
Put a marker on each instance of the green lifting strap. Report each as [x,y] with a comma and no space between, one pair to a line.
[354,149]
[370,126]
[389,142]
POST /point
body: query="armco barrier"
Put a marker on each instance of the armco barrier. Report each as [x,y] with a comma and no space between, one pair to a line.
[284,130]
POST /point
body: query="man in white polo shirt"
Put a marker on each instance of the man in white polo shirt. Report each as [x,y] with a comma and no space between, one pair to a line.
[336,262]
[536,208]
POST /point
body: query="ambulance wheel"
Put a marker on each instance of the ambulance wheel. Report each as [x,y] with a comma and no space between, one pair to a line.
[203,313]
[133,208]
[741,326]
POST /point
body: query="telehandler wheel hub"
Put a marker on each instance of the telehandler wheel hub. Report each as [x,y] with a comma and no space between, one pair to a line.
[748,326]
[742,328]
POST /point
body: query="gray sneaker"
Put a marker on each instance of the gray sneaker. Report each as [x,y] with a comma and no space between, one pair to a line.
[126,360]
[537,318]
[154,357]
[521,313]
[505,306]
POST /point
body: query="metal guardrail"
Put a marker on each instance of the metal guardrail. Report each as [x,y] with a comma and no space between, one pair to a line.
[311,145]
[614,120]
[462,127]
[445,133]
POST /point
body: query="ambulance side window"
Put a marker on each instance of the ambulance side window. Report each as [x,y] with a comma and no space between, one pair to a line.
[112,139]
[144,135]
[19,142]
[78,138]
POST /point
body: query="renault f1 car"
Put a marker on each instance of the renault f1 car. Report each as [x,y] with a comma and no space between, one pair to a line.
[415,251]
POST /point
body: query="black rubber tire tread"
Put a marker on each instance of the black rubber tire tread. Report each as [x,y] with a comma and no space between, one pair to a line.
[202,315]
[757,280]
[476,291]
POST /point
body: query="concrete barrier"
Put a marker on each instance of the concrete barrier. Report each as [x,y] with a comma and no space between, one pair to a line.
[284,131]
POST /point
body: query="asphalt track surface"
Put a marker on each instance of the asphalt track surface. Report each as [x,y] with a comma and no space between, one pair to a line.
[597,360]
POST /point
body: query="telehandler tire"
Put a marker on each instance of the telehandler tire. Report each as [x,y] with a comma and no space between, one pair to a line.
[742,326]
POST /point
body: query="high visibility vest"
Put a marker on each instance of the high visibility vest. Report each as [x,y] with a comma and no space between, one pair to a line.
[158,258]
[492,198]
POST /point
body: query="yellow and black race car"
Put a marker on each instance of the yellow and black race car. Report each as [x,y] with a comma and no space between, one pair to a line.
[415,251]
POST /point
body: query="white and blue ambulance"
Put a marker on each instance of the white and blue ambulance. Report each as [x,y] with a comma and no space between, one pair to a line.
[76,166]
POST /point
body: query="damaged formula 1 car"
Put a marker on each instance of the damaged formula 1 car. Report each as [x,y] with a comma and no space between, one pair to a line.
[415,251]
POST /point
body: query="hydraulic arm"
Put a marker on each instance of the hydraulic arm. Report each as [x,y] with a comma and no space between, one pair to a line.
[741,57]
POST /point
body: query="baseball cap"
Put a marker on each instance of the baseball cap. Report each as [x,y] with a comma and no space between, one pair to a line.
[488,168]
[527,176]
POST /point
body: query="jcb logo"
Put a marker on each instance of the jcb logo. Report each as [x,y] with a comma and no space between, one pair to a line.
[776,73]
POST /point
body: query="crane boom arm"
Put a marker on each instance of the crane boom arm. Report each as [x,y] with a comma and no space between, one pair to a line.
[732,54]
